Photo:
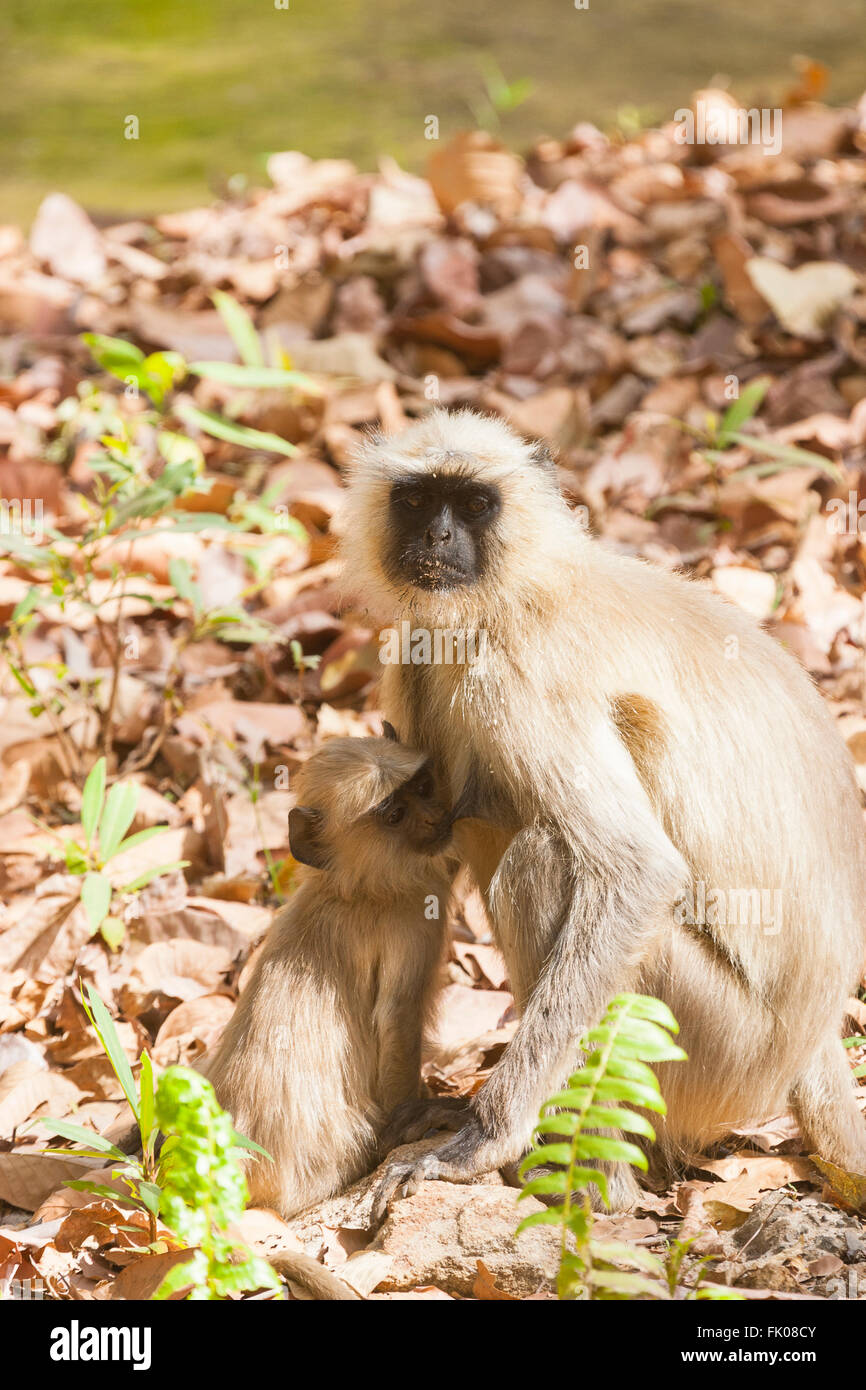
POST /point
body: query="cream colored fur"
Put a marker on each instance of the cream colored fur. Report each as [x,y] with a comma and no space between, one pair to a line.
[628,756]
[326,1037]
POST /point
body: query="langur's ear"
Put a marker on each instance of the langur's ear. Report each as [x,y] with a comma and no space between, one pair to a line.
[542,456]
[390,732]
[304,828]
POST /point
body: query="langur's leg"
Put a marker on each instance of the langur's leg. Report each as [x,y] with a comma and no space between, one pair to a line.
[571,942]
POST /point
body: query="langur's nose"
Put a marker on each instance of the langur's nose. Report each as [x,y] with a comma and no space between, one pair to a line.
[440,527]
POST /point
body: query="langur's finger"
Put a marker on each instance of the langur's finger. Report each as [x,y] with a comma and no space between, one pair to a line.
[393,1178]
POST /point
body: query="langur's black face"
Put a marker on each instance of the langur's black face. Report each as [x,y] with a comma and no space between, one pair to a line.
[416,817]
[440,530]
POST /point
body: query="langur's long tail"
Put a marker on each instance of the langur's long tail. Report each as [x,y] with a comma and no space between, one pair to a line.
[313,1277]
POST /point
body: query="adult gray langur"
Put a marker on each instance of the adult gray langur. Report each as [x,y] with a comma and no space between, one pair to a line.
[638,744]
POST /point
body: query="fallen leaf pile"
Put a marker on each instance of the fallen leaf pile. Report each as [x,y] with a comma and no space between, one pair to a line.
[616,299]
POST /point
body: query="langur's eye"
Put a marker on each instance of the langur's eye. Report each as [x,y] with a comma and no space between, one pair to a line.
[395,815]
[415,500]
[478,504]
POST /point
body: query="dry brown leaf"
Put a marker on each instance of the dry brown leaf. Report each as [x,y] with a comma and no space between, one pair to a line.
[751,589]
[140,1279]
[105,1225]
[64,237]
[486,1290]
[780,1129]
[475,168]
[177,969]
[804,299]
[15,783]
[745,1177]
[279,724]
[476,346]
[203,1018]
[624,1228]
[851,1187]
[33,1090]
[27,1178]
[48,937]
[94,1076]
[265,1230]
[732,253]
[465,1014]
[764,1171]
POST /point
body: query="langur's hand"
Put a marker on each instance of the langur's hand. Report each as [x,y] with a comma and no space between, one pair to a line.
[412,1119]
[460,1159]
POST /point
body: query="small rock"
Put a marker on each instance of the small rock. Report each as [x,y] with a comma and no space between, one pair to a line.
[806,1228]
[439,1235]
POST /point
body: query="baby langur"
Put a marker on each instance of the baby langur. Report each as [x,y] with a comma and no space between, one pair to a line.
[326,1038]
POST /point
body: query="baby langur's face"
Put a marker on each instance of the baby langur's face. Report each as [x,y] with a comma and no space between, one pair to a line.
[416,816]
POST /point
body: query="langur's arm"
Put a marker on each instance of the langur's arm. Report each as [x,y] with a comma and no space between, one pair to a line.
[609,924]
[399,1071]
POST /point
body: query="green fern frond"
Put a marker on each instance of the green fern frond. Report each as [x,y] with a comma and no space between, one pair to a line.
[615,1076]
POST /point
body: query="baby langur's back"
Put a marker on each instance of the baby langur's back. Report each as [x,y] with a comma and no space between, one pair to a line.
[326,1037]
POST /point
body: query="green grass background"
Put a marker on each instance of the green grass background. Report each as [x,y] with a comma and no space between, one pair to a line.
[217,83]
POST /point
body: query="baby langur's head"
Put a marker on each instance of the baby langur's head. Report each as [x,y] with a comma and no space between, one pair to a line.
[370,809]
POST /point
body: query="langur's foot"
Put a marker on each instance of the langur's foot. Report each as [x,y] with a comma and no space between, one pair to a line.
[468,1155]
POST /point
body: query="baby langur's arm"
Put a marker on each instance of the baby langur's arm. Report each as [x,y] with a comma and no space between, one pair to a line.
[415,1116]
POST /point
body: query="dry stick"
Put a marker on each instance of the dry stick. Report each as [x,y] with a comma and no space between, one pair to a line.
[781,1197]
[115,659]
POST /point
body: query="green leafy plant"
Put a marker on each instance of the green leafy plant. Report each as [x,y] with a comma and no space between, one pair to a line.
[857,1041]
[632,121]
[718,438]
[105,819]
[277,868]
[144,467]
[204,1191]
[600,1095]
[193,1180]
[500,96]
[301,663]
[78,571]
[231,624]
[140,1175]
[159,373]
[699,1289]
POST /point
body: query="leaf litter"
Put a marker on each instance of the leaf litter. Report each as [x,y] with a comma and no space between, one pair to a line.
[684,326]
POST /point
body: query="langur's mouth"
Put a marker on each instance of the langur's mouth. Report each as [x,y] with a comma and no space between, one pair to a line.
[433,575]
